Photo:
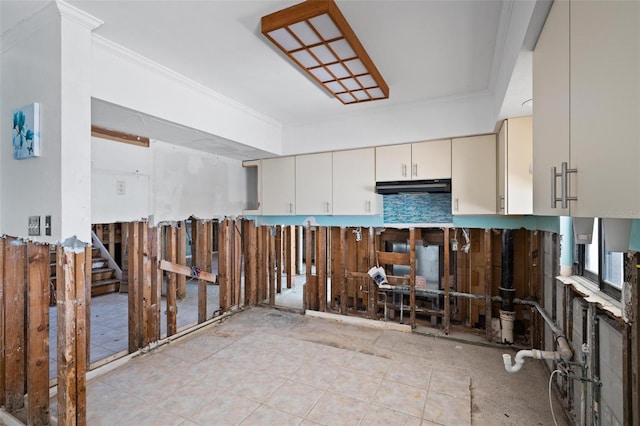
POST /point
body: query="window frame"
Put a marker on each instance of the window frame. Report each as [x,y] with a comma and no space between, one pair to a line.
[597,279]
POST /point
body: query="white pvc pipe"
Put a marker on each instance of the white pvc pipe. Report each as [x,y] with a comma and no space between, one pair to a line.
[521,355]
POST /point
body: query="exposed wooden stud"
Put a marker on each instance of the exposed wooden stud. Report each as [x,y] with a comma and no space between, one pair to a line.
[117,136]
[278,253]
[343,272]
[371,307]
[3,370]
[38,334]
[186,271]
[71,334]
[14,338]
[321,267]
[447,283]
[171,233]
[272,266]
[487,283]
[134,287]
[237,262]
[88,263]
[631,380]
[260,262]
[388,258]
[412,277]
[310,291]
[248,254]
[290,254]
[181,284]
[202,284]
[224,270]
[156,283]
[146,284]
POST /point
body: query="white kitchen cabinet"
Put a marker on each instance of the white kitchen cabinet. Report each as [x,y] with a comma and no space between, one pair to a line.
[354,181]
[515,180]
[417,161]
[598,88]
[473,175]
[314,184]
[278,186]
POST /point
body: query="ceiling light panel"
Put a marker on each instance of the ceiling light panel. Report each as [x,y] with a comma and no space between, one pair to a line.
[318,38]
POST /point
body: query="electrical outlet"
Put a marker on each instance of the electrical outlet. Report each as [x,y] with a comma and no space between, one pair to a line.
[120,187]
[34,225]
[454,244]
[47,225]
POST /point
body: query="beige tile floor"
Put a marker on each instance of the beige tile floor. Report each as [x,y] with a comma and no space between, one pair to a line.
[267,367]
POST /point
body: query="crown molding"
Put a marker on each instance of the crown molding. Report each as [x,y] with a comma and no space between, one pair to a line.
[78,16]
[123,52]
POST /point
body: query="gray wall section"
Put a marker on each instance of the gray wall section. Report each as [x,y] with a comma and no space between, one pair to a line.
[609,346]
[611,400]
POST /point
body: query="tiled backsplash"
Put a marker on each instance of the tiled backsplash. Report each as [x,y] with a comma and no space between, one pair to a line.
[417,208]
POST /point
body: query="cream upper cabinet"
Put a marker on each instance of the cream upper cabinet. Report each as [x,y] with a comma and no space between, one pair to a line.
[354,182]
[596,92]
[393,163]
[314,184]
[431,159]
[417,161]
[515,180]
[473,175]
[278,195]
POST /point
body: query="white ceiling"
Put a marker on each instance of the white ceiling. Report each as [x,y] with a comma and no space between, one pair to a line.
[425,49]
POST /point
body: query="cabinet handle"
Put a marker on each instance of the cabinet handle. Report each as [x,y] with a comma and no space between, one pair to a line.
[404,170]
[501,203]
[326,206]
[415,169]
[455,204]
[564,186]
[290,207]
[369,206]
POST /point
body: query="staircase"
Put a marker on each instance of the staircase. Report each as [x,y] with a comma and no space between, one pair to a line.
[103,277]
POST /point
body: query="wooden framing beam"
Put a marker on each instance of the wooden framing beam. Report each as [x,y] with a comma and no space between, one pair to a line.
[224,264]
[487,283]
[71,339]
[388,258]
[260,264]
[156,283]
[134,287]
[38,334]
[117,136]
[181,258]
[321,267]
[278,253]
[187,271]
[343,272]
[202,284]
[14,332]
[271,238]
[447,283]
[310,291]
[412,277]
[146,287]
[237,261]
[373,288]
[171,233]
[290,254]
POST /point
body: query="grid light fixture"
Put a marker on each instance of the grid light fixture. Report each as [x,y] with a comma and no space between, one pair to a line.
[317,37]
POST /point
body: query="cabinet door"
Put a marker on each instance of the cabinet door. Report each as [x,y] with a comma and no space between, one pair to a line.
[313,183]
[605,108]
[473,175]
[278,186]
[393,163]
[431,160]
[550,107]
[514,167]
[354,183]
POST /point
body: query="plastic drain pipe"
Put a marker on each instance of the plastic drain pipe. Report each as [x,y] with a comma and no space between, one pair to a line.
[564,353]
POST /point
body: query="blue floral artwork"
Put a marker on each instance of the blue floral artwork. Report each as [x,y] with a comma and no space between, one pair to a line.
[26,132]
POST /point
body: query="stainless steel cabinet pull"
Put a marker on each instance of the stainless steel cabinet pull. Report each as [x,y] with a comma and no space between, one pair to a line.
[564,186]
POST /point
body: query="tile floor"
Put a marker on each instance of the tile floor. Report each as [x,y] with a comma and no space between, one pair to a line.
[267,367]
[109,316]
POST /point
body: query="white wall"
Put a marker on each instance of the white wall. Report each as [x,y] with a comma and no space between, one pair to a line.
[165,181]
[125,78]
[404,124]
[31,72]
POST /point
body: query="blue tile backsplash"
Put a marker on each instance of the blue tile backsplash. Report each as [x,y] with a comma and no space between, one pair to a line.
[417,208]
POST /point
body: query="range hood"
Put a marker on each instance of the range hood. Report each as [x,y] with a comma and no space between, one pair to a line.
[414,186]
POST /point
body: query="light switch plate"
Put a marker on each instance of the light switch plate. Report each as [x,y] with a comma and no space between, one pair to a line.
[34,225]
[47,225]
